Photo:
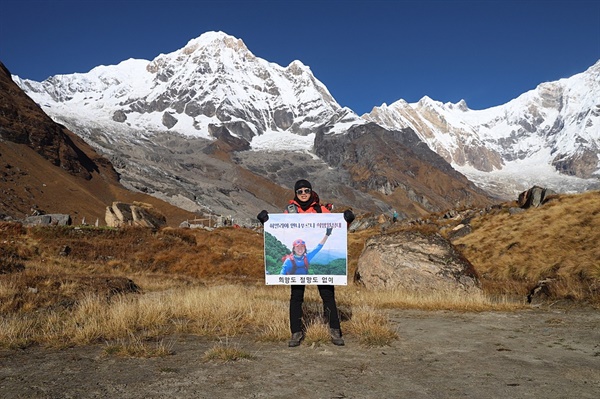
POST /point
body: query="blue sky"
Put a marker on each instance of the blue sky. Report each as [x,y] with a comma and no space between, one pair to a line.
[365,52]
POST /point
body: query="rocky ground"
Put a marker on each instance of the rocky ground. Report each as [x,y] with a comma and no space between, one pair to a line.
[545,352]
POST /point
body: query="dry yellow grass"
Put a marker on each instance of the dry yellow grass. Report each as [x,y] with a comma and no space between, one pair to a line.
[215,311]
[559,241]
[371,326]
[136,347]
[432,300]
[132,288]
[227,351]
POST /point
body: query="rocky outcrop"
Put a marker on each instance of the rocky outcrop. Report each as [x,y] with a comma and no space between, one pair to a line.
[541,291]
[583,163]
[416,262]
[534,197]
[120,214]
[168,120]
[22,121]
[48,220]
[398,166]
[429,121]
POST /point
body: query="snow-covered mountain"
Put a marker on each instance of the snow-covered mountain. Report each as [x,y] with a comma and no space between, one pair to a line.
[548,136]
[188,126]
[212,82]
[155,120]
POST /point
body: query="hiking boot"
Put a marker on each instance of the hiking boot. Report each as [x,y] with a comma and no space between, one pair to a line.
[297,337]
[336,336]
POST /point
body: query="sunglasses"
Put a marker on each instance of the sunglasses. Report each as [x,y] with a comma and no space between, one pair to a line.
[303,191]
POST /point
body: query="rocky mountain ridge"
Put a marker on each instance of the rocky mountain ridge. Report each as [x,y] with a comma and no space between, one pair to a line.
[213,82]
[212,128]
[45,168]
[215,87]
[549,135]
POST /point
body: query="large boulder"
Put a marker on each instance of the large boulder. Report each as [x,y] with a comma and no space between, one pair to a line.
[534,197]
[51,219]
[120,214]
[414,261]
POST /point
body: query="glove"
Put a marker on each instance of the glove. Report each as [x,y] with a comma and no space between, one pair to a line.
[328,231]
[348,216]
[263,216]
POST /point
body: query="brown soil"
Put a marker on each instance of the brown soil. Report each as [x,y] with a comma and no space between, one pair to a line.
[549,352]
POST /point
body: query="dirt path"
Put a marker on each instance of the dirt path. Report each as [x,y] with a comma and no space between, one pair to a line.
[551,353]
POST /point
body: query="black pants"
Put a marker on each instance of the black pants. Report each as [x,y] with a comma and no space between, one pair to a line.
[327,293]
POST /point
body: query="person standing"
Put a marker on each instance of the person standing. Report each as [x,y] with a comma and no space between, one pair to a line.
[307,201]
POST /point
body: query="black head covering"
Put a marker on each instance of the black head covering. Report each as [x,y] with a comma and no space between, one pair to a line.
[302,184]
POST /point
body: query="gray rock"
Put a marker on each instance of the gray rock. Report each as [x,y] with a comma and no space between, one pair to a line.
[121,214]
[460,230]
[168,120]
[542,291]
[65,250]
[414,261]
[534,197]
[55,219]
[119,116]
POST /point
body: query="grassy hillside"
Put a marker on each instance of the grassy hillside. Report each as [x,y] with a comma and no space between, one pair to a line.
[511,252]
[78,285]
[558,242]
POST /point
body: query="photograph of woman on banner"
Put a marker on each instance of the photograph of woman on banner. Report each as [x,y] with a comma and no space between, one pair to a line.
[299,260]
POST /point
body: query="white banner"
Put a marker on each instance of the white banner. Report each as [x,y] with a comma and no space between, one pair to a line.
[298,249]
